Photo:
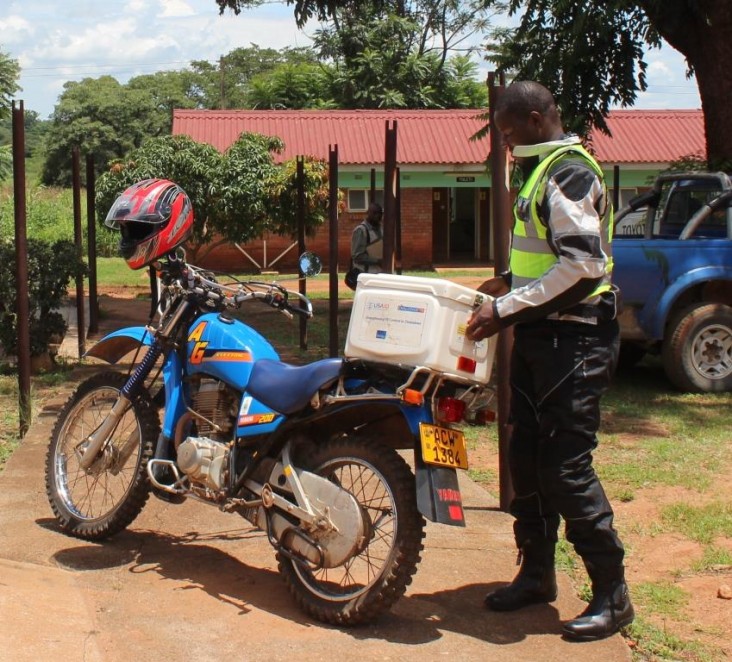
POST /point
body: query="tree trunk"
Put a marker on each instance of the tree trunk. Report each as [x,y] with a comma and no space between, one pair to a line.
[701,31]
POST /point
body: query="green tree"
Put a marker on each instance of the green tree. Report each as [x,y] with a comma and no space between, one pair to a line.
[105,118]
[167,90]
[394,54]
[303,85]
[591,52]
[592,55]
[178,158]
[237,196]
[227,83]
[101,117]
[9,74]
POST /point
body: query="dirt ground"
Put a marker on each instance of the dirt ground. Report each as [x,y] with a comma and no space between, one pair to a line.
[663,557]
[666,557]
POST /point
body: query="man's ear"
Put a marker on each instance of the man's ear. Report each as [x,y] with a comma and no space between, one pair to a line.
[536,120]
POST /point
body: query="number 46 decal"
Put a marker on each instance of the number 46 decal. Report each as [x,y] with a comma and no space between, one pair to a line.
[200,346]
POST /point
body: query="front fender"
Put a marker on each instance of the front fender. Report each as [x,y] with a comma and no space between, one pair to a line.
[119,343]
[656,322]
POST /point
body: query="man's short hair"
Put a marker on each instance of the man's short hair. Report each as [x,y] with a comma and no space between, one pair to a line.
[522,97]
[375,209]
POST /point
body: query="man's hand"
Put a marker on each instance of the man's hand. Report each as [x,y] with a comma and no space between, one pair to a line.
[482,323]
[495,287]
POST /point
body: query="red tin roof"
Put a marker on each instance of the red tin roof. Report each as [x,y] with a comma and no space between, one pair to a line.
[434,137]
[423,137]
[651,136]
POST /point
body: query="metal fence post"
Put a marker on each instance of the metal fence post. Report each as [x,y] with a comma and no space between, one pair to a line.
[78,240]
[501,216]
[21,269]
[333,343]
[91,223]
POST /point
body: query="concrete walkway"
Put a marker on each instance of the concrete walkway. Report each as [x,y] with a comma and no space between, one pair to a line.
[189,582]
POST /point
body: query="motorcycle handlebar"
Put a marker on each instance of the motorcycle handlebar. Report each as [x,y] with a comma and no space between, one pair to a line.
[272,294]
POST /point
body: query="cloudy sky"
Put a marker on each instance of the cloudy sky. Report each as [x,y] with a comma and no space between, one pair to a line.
[55,42]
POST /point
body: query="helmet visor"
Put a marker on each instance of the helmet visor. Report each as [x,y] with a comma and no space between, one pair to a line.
[120,215]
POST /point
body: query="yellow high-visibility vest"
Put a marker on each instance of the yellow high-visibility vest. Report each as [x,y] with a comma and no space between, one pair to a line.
[531,255]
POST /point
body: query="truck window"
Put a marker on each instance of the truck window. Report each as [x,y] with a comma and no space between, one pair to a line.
[679,204]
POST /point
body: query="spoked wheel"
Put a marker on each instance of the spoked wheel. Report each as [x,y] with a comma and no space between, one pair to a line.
[372,580]
[96,502]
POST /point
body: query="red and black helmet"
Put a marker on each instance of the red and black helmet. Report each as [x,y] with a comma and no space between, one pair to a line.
[154,217]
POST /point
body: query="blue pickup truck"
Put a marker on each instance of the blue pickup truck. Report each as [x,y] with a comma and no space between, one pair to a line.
[673,265]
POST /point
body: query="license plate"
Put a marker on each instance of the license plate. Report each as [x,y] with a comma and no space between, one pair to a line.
[443,446]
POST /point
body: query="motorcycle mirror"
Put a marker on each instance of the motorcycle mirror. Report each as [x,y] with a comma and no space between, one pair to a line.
[310,264]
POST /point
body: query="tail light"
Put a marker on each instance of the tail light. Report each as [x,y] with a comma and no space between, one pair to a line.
[450,410]
[466,364]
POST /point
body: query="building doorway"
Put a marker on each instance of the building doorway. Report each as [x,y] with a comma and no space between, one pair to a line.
[463,246]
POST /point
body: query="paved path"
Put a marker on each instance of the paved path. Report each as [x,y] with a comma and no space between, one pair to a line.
[189,582]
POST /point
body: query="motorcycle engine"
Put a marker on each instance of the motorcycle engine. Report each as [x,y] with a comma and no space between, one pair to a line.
[204,461]
[205,456]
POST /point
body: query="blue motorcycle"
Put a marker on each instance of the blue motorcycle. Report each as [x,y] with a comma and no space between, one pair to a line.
[308,454]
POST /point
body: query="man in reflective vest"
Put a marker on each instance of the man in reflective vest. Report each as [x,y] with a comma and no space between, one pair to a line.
[560,299]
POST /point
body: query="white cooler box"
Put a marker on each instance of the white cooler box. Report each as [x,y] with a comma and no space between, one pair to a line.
[419,322]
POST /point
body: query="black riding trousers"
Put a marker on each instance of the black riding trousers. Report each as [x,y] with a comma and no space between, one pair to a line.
[559,371]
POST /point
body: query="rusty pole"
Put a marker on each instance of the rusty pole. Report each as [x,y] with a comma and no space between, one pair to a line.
[390,210]
[302,282]
[78,240]
[21,269]
[91,236]
[333,343]
[398,206]
[501,216]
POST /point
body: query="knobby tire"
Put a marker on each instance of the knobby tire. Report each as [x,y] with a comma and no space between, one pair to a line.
[96,503]
[398,526]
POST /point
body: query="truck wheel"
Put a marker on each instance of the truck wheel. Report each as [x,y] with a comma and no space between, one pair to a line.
[697,353]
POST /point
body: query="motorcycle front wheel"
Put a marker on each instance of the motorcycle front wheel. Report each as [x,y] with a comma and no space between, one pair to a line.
[371,581]
[97,502]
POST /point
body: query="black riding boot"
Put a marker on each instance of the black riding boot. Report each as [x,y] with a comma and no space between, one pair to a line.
[609,610]
[535,582]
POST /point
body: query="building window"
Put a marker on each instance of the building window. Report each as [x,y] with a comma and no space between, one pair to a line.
[358,198]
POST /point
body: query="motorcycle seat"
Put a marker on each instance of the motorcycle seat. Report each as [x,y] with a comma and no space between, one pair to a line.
[287,388]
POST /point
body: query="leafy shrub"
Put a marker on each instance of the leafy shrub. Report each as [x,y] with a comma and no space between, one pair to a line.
[51,267]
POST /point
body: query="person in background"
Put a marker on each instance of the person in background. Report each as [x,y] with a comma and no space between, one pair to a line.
[560,299]
[367,243]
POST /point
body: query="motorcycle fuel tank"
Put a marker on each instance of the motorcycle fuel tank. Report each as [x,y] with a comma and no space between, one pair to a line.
[225,348]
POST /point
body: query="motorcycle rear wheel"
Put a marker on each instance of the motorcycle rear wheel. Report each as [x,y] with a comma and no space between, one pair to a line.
[97,502]
[370,582]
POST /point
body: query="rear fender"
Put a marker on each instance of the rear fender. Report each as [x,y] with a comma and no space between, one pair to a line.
[397,425]
[438,493]
[119,343]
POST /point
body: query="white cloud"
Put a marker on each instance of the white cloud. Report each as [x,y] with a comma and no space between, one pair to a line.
[14,29]
[176,8]
[659,69]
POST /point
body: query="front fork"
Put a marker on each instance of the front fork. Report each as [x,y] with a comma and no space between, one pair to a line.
[99,437]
